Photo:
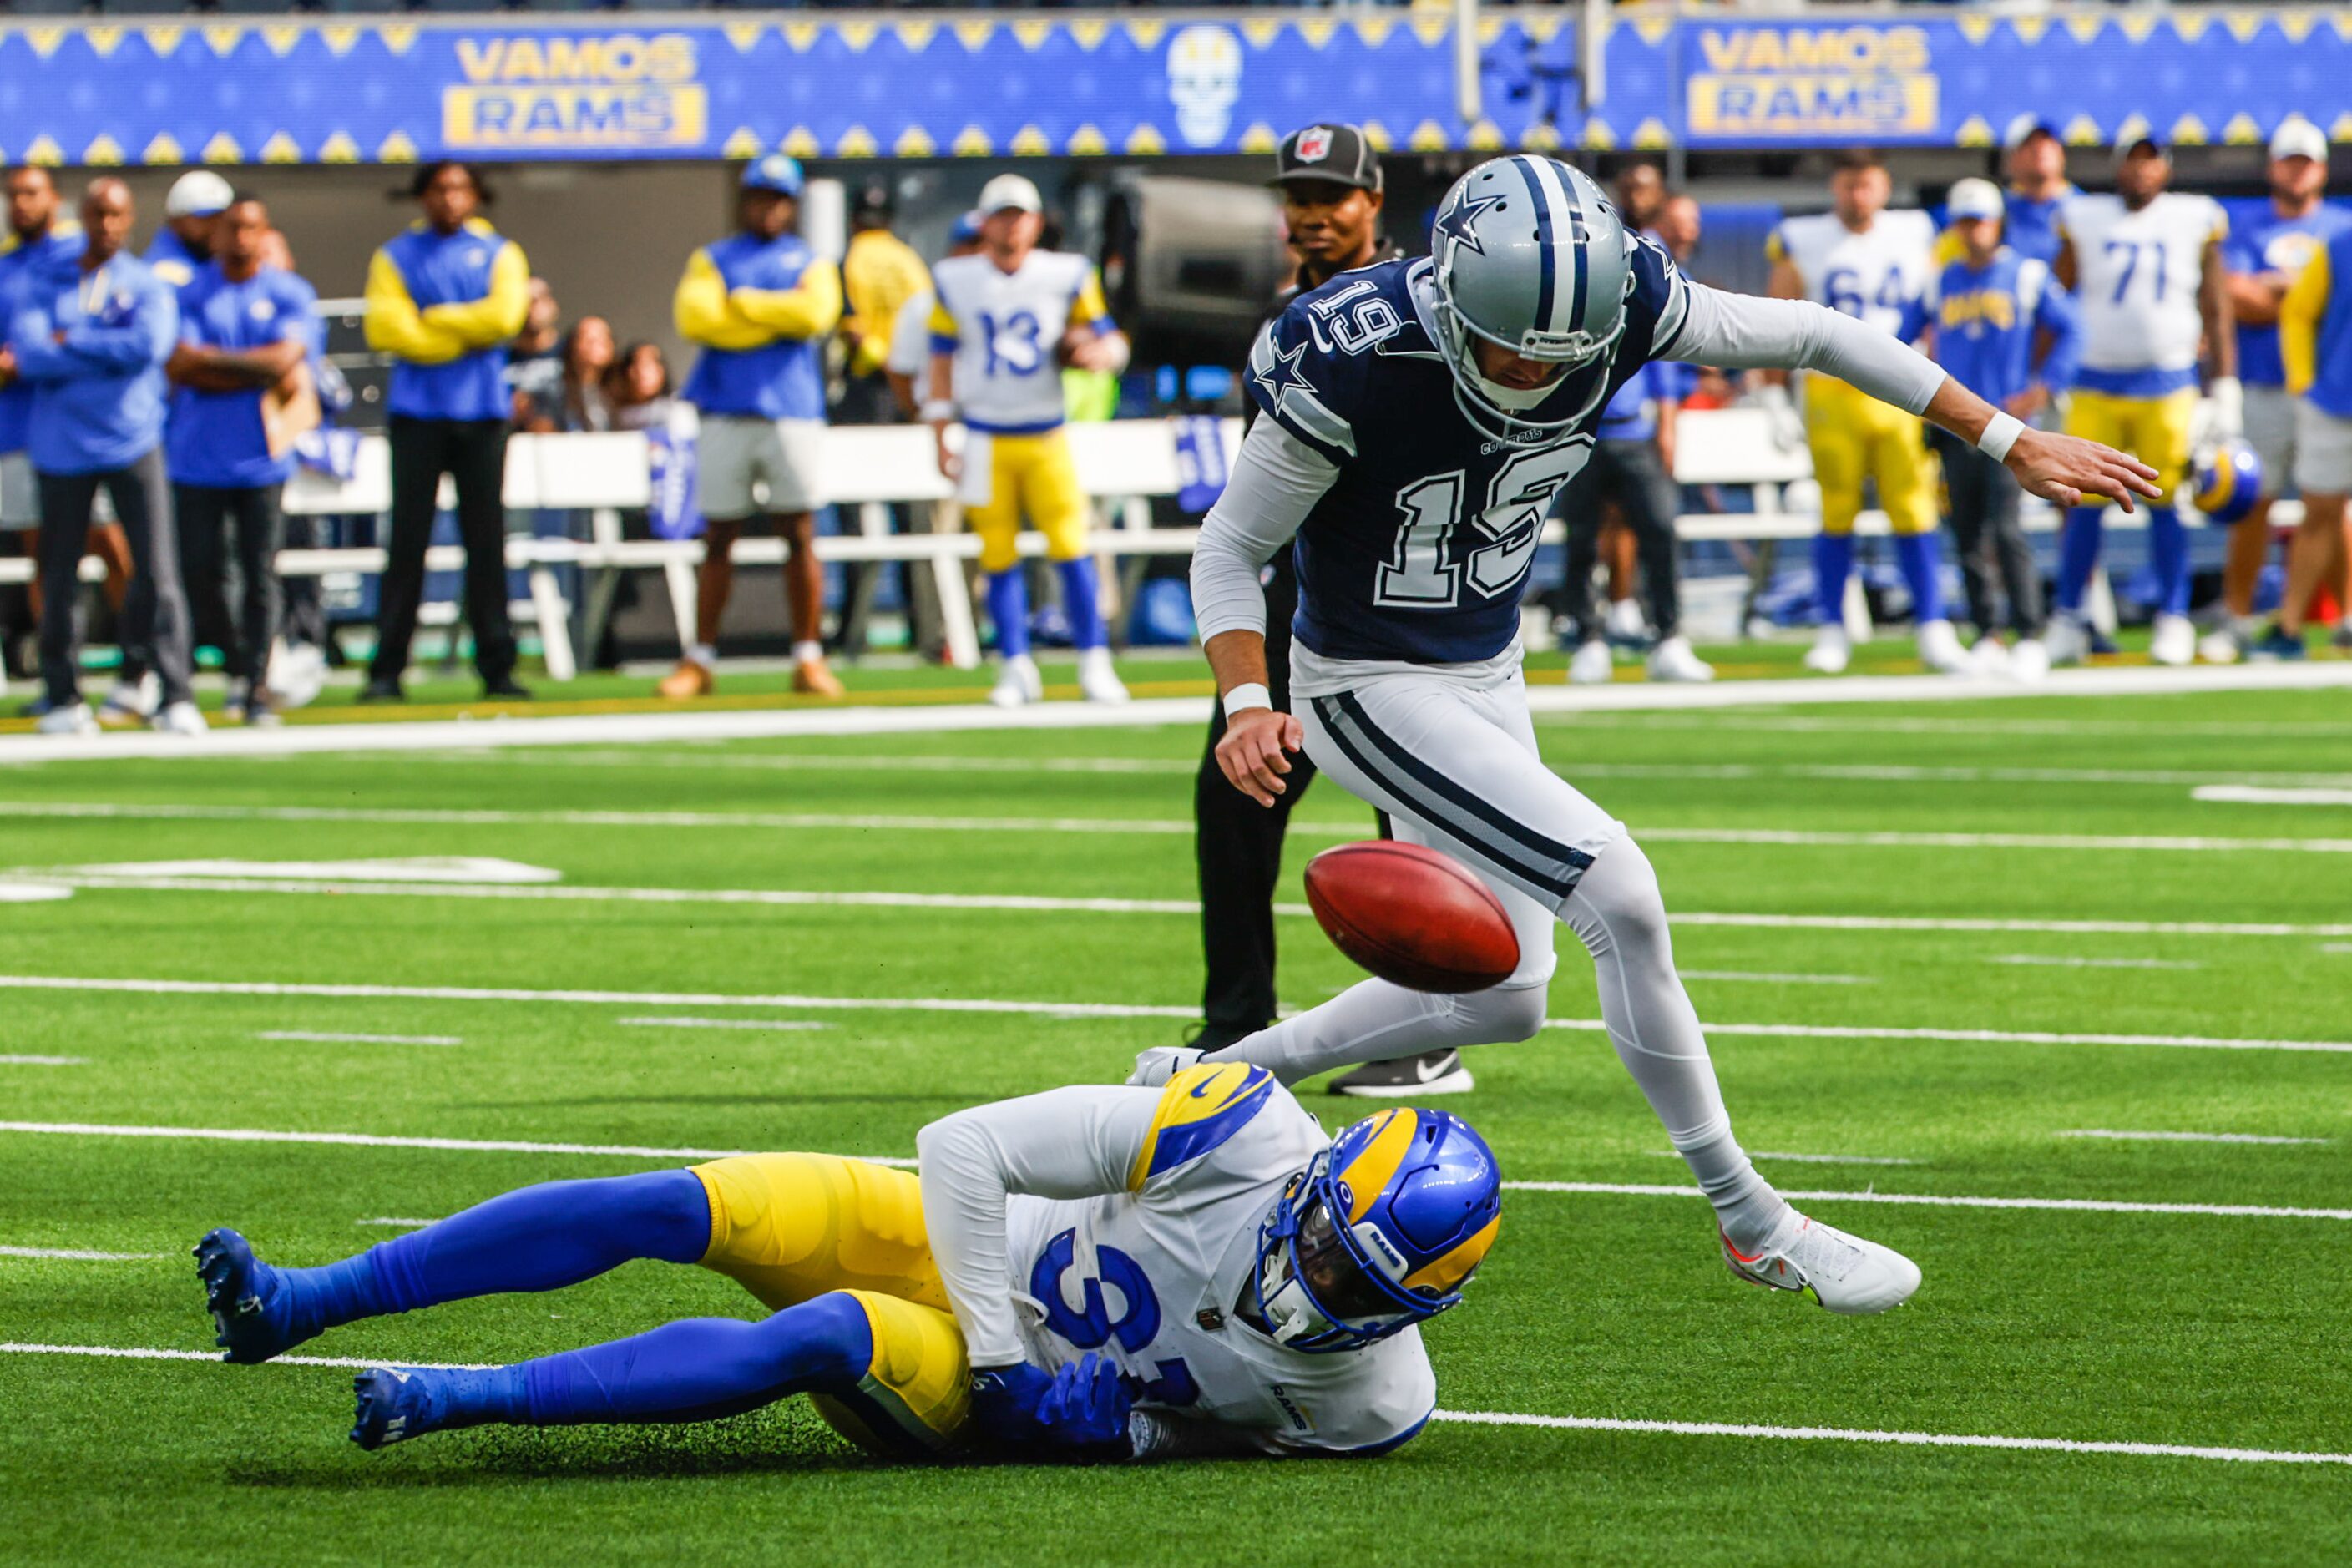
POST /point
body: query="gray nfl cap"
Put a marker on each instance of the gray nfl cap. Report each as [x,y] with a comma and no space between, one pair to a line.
[1337,153]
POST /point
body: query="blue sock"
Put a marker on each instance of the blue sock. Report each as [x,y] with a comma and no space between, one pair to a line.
[1008,606]
[1081,600]
[1923,573]
[309,1301]
[2078,553]
[1832,565]
[702,1368]
[2167,552]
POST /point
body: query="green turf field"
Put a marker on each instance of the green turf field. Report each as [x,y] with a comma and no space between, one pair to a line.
[1948,844]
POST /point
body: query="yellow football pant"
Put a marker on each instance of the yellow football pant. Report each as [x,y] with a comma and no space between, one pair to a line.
[2153,429]
[1031,475]
[1855,437]
[792,1227]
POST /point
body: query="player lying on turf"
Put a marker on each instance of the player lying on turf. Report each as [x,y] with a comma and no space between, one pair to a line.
[1420,416]
[1089,1273]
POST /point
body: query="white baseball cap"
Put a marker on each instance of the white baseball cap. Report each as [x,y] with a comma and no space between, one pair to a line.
[2298,138]
[2025,128]
[199,193]
[1015,193]
[1973,198]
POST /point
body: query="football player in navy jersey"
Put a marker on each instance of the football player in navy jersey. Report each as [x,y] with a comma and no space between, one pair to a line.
[1420,414]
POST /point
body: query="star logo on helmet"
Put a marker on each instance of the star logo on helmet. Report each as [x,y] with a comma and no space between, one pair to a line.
[1284,376]
[1458,225]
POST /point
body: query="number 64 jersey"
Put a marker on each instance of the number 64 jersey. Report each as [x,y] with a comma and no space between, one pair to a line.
[1152,1271]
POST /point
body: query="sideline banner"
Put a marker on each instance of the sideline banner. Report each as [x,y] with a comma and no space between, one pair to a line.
[391,91]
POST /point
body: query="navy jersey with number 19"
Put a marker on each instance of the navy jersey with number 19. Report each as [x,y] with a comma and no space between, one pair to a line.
[1419,549]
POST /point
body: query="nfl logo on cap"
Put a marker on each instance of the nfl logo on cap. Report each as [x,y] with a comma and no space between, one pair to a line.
[1314,144]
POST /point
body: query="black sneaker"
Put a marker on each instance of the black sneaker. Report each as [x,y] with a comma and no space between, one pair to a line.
[1407,1077]
[382,689]
[508,688]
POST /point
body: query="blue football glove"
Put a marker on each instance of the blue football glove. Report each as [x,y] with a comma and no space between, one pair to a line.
[1004,1401]
[1086,1408]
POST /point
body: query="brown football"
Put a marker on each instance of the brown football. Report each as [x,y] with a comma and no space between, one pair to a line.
[1411,915]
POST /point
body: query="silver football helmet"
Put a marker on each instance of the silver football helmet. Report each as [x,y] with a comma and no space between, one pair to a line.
[1529,255]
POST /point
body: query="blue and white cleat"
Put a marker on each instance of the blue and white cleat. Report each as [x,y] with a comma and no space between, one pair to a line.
[1845,1274]
[395,1403]
[251,1316]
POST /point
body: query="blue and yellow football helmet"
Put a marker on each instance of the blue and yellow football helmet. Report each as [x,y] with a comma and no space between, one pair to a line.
[1382,1231]
[2227,482]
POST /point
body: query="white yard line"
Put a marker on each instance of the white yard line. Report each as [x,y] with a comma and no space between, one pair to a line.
[1761,921]
[2252,794]
[20,1060]
[2056,961]
[1926,1200]
[1806,1159]
[1064,1010]
[2184,1137]
[330,1039]
[399,1224]
[1465,1417]
[759,1023]
[77,1254]
[1145,826]
[382,1140]
[1778,979]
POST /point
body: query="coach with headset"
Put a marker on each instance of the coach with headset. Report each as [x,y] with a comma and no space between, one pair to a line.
[1329,178]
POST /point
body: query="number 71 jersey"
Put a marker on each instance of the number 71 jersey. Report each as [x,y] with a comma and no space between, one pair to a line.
[1419,549]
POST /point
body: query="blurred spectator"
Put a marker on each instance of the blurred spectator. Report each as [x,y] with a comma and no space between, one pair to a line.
[1677,228]
[242,394]
[92,333]
[911,334]
[2035,165]
[444,299]
[2315,344]
[535,364]
[880,273]
[298,663]
[587,356]
[638,389]
[1640,191]
[761,303]
[1631,469]
[185,243]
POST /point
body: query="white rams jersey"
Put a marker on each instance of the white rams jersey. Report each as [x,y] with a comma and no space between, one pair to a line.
[2136,276]
[1003,329]
[1153,1278]
[1876,275]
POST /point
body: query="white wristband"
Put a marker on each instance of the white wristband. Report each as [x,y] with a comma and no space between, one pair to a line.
[1242,697]
[938,411]
[2000,436]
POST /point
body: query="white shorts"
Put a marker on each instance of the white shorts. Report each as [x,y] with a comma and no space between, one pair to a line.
[1455,767]
[2323,452]
[20,500]
[2270,431]
[744,464]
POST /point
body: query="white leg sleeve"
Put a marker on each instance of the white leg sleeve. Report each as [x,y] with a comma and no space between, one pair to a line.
[1621,916]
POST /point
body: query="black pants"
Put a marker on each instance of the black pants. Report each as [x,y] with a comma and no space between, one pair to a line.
[305,609]
[1630,474]
[243,572]
[154,610]
[1238,843]
[473,453]
[1986,528]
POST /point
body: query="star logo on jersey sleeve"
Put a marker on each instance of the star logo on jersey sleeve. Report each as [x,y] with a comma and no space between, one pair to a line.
[1459,225]
[1284,376]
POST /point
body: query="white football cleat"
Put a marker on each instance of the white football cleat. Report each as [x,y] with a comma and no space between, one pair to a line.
[296,673]
[1672,661]
[1989,660]
[1591,666]
[1624,621]
[1939,647]
[2029,660]
[2067,641]
[1098,682]
[1830,652]
[1019,683]
[1846,1274]
[131,702]
[180,718]
[2174,640]
[73,718]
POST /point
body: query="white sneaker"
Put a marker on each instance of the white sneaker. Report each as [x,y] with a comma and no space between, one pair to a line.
[1673,660]
[1098,682]
[1591,666]
[131,702]
[2029,660]
[73,718]
[1019,683]
[297,674]
[1989,660]
[1830,652]
[1846,1274]
[1624,621]
[2174,640]
[180,718]
[2067,641]
[1939,647]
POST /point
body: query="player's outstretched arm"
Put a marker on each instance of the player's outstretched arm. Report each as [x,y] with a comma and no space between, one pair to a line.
[2061,469]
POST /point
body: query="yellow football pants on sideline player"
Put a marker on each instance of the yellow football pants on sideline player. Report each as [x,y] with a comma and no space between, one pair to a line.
[1006,476]
[1855,437]
[2153,429]
[792,1227]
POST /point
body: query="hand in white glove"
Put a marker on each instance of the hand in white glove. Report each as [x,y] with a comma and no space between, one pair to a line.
[1787,427]
[1158,1064]
[2225,404]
